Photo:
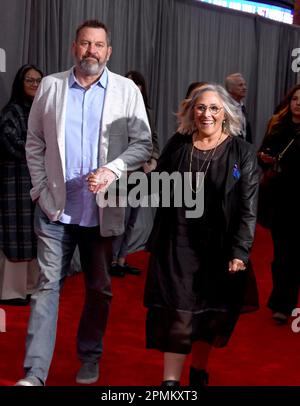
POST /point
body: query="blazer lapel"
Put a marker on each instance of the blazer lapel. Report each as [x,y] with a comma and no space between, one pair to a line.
[110,98]
[60,100]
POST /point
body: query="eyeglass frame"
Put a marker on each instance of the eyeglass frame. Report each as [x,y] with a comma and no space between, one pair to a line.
[204,108]
[32,81]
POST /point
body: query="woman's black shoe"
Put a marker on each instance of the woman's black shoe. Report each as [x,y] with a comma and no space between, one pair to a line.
[170,383]
[280,318]
[198,377]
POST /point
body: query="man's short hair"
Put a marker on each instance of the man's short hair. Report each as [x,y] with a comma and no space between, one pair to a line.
[231,79]
[93,24]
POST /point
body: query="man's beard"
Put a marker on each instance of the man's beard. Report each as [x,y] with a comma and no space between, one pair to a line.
[91,69]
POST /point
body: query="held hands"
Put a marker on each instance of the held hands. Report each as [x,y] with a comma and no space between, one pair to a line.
[100,180]
[236,265]
[150,165]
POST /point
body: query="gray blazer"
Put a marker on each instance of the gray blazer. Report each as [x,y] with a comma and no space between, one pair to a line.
[125,142]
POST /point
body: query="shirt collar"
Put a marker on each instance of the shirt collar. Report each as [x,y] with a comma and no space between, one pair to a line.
[236,103]
[102,81]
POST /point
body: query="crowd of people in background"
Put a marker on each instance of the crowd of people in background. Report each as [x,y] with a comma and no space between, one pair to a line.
[200,278]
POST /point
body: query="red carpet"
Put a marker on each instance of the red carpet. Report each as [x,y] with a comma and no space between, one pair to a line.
[260,352]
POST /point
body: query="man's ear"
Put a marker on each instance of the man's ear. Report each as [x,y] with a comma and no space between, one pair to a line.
[109,52]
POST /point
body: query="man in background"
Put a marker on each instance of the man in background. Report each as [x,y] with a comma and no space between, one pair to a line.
[236,86]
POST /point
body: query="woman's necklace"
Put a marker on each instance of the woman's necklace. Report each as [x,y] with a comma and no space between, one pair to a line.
[208,158]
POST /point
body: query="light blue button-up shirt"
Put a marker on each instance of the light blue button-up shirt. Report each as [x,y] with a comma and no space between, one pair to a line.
[83,125]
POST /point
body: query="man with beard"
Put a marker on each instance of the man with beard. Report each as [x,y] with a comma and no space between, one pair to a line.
[86,127]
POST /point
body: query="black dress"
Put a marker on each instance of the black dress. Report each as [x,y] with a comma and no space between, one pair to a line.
[189,291]
[286,218]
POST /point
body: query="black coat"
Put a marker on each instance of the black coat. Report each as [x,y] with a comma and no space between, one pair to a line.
[17,237]
[239,202]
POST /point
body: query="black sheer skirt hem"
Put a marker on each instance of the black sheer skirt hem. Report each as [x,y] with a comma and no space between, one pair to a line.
[169,330]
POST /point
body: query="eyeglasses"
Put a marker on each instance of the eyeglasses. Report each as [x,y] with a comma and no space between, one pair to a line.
[32,81]
[212,109]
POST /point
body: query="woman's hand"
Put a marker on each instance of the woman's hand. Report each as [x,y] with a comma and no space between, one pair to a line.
[150,165]
[266,158]
[236,265]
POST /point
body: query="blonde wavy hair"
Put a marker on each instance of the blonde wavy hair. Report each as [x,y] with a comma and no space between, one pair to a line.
[233,115]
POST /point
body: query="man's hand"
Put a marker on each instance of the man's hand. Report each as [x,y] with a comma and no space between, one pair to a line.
[236,265]
[100,180]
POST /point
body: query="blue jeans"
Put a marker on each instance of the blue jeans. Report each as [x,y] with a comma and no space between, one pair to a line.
[56,245]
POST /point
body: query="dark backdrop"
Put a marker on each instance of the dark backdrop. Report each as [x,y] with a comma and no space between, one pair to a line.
[172,42]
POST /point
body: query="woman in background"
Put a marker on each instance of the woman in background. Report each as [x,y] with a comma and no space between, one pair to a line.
[192,86]
[121,244]
[18,266]
[283,138]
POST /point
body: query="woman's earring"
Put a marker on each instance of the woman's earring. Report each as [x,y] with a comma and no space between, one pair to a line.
[224,125]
